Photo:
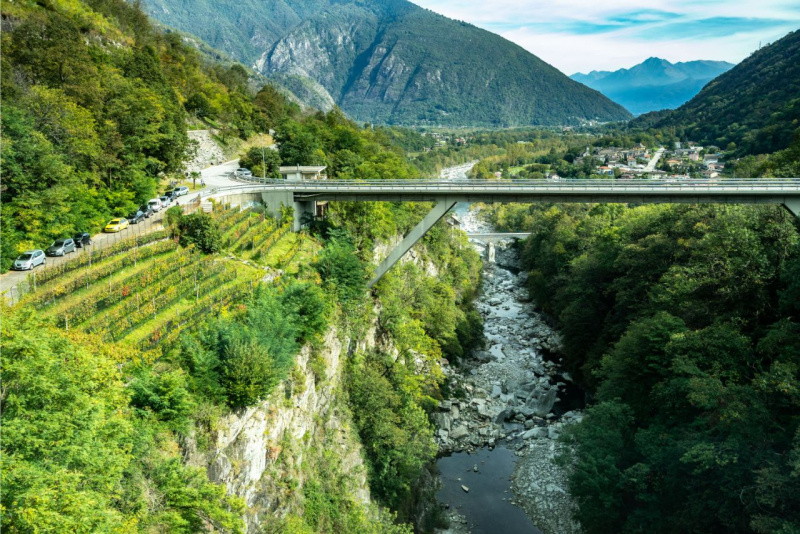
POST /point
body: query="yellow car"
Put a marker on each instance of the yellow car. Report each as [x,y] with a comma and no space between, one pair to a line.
[117,225]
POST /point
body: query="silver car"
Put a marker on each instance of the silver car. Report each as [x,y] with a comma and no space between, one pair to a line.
[61,247]
[28,260]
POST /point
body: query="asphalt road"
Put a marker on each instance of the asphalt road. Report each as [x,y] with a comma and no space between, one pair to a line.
[216,176]
[651,165]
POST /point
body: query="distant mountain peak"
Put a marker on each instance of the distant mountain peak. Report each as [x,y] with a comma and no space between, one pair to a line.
[655,61]
[655,83]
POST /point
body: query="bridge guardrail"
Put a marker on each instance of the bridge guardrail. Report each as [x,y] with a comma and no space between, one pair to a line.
[777,185]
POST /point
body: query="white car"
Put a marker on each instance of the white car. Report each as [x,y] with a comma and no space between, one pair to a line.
[155,204]
[243,173]
[180,191]
[28,260]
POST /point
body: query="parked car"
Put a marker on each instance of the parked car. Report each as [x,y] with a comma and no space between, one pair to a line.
[180,191]
[116,225]
[147,210]
[28,260]
[166,200]
[155,204]
[82,239]
[136,217]
[243,173]
[61,247]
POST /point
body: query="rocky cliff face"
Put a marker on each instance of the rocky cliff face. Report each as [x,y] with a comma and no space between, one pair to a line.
[259,452]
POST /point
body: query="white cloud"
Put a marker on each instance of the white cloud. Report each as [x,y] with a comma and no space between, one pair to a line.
[584,35]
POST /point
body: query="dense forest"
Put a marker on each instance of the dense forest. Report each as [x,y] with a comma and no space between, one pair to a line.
[682,323]
[95,103]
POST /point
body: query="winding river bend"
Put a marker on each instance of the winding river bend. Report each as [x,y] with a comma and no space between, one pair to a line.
[498,434]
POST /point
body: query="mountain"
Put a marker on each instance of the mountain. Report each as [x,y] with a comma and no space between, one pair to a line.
[390,61]
[654,84]
[755,105]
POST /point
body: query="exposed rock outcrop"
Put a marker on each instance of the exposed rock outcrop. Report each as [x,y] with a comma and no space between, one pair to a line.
[257,452]
[206,151]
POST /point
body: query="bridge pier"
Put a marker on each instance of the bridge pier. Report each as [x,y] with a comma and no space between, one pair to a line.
[274,200]
[439,210]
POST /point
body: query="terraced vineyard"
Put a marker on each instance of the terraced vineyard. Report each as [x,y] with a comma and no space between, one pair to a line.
[144,291]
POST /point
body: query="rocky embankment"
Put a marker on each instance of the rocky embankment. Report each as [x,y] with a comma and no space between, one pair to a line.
[510,394]
[207,153]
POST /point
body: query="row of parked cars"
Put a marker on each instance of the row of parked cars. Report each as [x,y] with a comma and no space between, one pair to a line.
[61,247]
[145,211]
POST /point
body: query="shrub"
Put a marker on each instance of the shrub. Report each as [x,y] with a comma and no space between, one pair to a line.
[248,374]
[341,269]
[313,309]
[172,217]
[201,230]
[163,394]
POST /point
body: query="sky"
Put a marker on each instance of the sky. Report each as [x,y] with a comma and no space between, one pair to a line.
[585,35]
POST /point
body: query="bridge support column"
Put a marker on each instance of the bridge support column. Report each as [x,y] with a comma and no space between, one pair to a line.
[274,200]
[439,210]
[793,206]
[303,210]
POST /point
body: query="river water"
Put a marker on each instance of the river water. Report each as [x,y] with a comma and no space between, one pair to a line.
[502,464]
[487,507]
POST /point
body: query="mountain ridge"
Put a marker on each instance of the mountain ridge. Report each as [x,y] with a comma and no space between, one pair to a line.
[655,83]
[393,62]
[755,106]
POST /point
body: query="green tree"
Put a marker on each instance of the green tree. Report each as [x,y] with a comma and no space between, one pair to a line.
[262,162]
[341,270]
[201,230]
[67,436]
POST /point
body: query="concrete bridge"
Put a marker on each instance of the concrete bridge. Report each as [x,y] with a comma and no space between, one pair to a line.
[303,195]
[497,236]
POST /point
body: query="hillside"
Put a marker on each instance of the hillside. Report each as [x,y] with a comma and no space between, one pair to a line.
[755,105]
[391,62]
[95,107]
[654,84]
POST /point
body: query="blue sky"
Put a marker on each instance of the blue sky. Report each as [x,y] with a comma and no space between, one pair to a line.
[584,35]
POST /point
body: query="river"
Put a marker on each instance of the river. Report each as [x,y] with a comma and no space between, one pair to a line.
[498,437]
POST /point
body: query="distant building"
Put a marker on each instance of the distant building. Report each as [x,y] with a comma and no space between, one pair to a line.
[607,171]
[299,172]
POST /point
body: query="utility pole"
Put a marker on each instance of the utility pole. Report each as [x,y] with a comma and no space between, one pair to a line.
[263,161]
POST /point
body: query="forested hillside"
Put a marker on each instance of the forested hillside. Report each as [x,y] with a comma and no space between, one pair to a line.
[682,322]
[118,369]
[753,108]
[391,62]
[95,103]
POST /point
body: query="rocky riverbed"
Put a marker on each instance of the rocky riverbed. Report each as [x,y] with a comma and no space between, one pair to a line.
[510,395]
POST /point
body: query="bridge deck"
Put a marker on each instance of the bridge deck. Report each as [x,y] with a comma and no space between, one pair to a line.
[763,191]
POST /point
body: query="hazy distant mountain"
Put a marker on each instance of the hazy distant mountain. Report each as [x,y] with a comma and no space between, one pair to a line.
[654,84]
[755,105]
[389,61]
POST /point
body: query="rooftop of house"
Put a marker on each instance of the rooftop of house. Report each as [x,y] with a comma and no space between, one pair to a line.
[305,169]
